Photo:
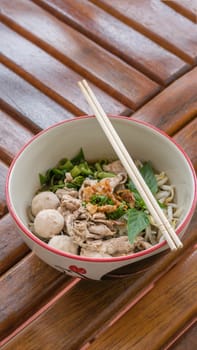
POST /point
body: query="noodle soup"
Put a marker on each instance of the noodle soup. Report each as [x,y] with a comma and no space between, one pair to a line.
[93,209]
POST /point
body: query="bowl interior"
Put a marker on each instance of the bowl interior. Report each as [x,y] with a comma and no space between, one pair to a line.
[65,139]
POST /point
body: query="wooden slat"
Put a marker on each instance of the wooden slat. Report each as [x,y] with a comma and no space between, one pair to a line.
[28,104]
[136,49]
[187,8]
[149,324]
[12,136]
[184,137]
[80,53]
[74,315]
[174,106]
[12,247]
[48,74]
[188,341]
[25,289]
[3,172]
[110,306]
[87,307]
[159,22]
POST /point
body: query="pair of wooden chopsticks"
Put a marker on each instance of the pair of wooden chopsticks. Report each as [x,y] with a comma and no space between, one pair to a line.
[133,172]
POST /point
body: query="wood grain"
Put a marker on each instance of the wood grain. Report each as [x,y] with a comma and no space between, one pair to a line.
[12,247]
[188,341]
[173,107]
[94,304]
[25,289]
[185,136]
[136,49]
[119,46]
[187,8]
[48,74]
[80,53]
[157,21]
[149,323]
[27,104]
[3,173]
[12,136]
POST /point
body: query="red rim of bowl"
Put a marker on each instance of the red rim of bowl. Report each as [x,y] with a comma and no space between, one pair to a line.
[78,257]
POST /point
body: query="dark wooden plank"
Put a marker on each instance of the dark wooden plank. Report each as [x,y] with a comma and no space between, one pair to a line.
[159,22]
[118,38]
[12,247]
[48,74]
[25,289]
[77,51]
[3,173]
[76,314]
[12,135]
[188,341]
[187,8]
[156,317]
[27,104]
[185,136]
[173,107]
[86,309]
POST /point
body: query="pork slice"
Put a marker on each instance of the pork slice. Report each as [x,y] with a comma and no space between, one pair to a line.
[83,214]
[100,230]
[93,254]
[114,181]
[115,167]
[68,222]
[64,191]
[87,182]
[141,244]
[70,203]
[114,246]
[98,216]
[112,224]
[80,231]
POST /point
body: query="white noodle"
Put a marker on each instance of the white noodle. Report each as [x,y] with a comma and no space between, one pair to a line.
[162,194]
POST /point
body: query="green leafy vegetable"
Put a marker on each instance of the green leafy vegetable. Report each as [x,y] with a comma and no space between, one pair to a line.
[120,211]
[162,205]
[139,202]
[85,169]
[71,185]
[78,158]
[137,221]
[149,177]
[52,179]
[81,169]
[65,164]
[76,171]
[103,174]
[101,200]
[78,180]
[42,178]
[98,166]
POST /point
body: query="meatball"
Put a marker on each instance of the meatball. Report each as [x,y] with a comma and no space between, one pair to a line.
[64,243]
[44,200]
[48,223]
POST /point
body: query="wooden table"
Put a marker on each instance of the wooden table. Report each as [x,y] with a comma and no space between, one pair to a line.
[140,57]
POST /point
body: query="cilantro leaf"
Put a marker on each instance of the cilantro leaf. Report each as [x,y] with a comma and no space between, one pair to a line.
[101,200]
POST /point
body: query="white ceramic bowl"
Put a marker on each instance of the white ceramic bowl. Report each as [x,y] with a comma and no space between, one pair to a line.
[64,139]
